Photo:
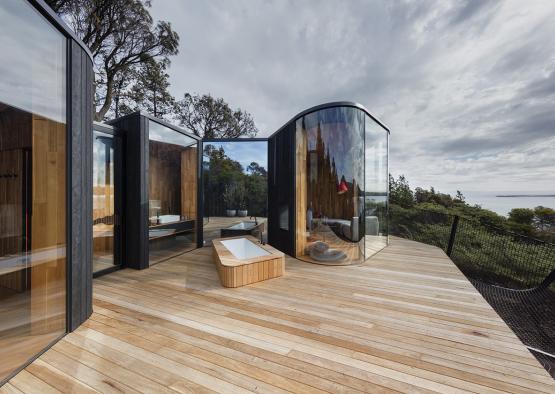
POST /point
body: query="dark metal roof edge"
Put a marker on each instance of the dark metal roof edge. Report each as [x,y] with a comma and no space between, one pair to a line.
[159,121]
[332,104]
[238,139]
[49,14]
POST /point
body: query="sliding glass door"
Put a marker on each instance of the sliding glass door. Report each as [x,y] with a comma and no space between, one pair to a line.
[106,194]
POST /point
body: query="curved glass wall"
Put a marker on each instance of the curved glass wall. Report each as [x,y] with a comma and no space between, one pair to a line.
[32,185]
[341,186]
[376,182]
[172,178]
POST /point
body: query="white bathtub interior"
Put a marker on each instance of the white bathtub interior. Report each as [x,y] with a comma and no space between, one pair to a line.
[244,249]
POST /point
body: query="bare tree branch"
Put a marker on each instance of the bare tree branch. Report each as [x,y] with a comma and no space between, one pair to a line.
[209,117]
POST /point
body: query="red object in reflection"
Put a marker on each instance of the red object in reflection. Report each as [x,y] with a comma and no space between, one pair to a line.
[342,187]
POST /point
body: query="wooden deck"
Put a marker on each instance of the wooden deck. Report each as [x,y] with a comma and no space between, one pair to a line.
[405,321]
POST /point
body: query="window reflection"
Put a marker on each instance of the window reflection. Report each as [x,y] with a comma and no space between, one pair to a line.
[32,185]
[341,186]
[172,204]
[235,188]
[330,186]
[32,70]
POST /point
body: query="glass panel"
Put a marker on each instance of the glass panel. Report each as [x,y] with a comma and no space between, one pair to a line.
[172,176]
[32,185]
[235,188]
[103,201]
[330,186]
[376,175]
[32,69]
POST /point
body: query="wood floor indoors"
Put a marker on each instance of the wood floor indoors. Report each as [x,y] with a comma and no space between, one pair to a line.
[405,321]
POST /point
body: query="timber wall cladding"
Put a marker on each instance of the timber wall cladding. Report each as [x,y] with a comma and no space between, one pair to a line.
[48,225]
[301,183]
[164,177]
[103,211]
[189,159]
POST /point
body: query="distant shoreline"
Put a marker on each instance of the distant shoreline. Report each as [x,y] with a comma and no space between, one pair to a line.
[526,195]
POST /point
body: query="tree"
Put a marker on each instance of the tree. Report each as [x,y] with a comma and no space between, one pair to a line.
[459,197]
[211,117]
[257,189]
[150,89]
[432,196]
[544,219]
[121,90]
[120,35]
[521,215]
[400,192]
[256,169]
[521,221]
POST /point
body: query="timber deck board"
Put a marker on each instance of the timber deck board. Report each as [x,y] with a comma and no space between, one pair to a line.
[407,320]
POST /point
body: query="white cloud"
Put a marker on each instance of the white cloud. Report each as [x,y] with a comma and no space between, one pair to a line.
[467,88]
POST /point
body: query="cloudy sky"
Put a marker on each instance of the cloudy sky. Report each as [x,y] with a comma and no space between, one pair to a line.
[467,87]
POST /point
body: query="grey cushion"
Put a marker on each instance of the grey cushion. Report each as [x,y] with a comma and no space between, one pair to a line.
[320,251]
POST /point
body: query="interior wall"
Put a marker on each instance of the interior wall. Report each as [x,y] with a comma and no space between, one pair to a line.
[173,178]
[189,182]
[15,140]
[33,236]
[48,225]
[164,176]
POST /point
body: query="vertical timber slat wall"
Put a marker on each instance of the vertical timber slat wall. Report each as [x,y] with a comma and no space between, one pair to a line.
[80,174]
[189,181]
[301,192]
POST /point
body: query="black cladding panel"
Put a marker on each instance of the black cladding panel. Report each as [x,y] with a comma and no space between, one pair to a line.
[281,191]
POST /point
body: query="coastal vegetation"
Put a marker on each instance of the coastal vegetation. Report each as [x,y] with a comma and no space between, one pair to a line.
[515,251]
[538,222]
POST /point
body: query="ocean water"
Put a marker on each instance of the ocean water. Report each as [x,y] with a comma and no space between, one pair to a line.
[502,205]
